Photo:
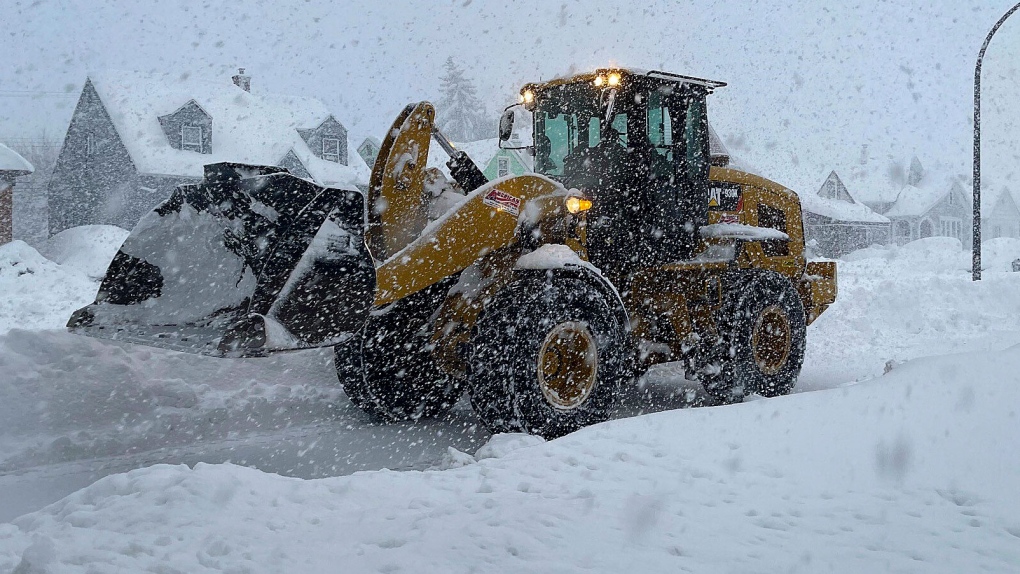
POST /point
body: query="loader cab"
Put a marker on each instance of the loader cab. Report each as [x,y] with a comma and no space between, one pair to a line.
[636,143]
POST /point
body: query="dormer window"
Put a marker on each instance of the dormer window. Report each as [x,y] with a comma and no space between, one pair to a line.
[331,149]
[191,138]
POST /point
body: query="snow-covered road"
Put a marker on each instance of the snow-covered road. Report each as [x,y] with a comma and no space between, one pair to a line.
[74,410]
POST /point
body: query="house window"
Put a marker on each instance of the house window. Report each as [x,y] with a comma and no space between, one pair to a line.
[331,149]
[902,229]
[90,144]
[191,138]
[950,227]
[503,168]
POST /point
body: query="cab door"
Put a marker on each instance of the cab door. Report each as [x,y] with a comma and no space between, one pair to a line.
[677,137]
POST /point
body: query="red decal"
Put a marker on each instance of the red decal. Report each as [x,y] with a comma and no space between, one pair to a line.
[503,201]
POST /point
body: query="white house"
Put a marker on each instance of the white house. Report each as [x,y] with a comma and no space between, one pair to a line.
[929,206]
[1000,216]
[837,222]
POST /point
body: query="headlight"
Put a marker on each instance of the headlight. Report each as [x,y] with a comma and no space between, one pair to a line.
[527,96]
[600,81]
[576,204]
[613,80]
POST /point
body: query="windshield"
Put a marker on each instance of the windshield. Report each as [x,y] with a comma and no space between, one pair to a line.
[566,126]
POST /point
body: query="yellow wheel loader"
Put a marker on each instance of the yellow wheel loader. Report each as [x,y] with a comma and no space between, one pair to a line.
[540,295]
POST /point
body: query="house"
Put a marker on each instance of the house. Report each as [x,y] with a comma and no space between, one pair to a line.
[369,150]
[1000,216]
[930,206]
[487,155]
[838,223]
[134,137]
[508,162]
[12,165]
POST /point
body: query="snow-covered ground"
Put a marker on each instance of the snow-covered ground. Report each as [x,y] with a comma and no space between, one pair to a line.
[894,455]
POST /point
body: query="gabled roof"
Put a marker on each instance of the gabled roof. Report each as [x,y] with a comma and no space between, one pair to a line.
[249,128]
[716,148]
[838,210]
[11,160]
[993,197]
[915,201]
[834,181]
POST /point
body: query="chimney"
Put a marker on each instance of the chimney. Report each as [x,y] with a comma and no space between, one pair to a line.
[242,81]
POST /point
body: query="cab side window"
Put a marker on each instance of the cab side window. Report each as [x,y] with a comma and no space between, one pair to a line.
[660,134]
[773,218]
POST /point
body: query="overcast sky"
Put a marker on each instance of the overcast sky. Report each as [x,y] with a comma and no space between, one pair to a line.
[810,82]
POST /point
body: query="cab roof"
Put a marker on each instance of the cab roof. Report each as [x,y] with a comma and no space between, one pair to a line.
[709,85]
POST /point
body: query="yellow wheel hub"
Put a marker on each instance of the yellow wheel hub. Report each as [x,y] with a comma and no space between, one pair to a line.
[568,364]
[771,340]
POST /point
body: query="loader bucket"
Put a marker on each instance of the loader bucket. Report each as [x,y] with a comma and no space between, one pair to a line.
[250,261]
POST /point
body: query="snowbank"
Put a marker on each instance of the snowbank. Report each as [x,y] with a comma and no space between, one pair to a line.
[908,473]
[900,303]
[36,293]
[88,248]
[66,397]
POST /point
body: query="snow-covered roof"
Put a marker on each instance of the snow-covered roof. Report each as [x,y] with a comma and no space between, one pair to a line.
[913,201]
[480,151]
[246,127]
[991,195]
[11,160]
[716,148]
[838,210]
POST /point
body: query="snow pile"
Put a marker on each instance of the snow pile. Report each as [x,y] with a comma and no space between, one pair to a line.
[89,248]
[876,477]
[741,231]
[551,256]
[36,293]
[900,303]
[66,397]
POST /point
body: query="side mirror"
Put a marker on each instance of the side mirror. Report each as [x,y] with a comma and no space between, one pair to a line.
[515,134]
[506,124]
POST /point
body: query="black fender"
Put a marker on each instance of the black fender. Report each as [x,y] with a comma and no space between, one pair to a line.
[583,273]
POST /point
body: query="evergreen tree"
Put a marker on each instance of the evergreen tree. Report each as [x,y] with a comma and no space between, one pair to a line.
[460,115]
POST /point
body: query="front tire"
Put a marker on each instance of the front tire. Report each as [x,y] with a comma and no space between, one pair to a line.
[389,372]
[549,358]
[762,333]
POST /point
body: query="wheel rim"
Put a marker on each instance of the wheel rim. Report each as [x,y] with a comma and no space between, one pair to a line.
[772,340]
[568,365]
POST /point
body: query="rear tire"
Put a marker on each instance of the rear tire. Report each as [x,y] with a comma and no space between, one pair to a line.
[549,358]
[762,332]
[388,371]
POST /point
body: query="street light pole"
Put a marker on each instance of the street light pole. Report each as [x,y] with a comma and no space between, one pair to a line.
[976,261]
